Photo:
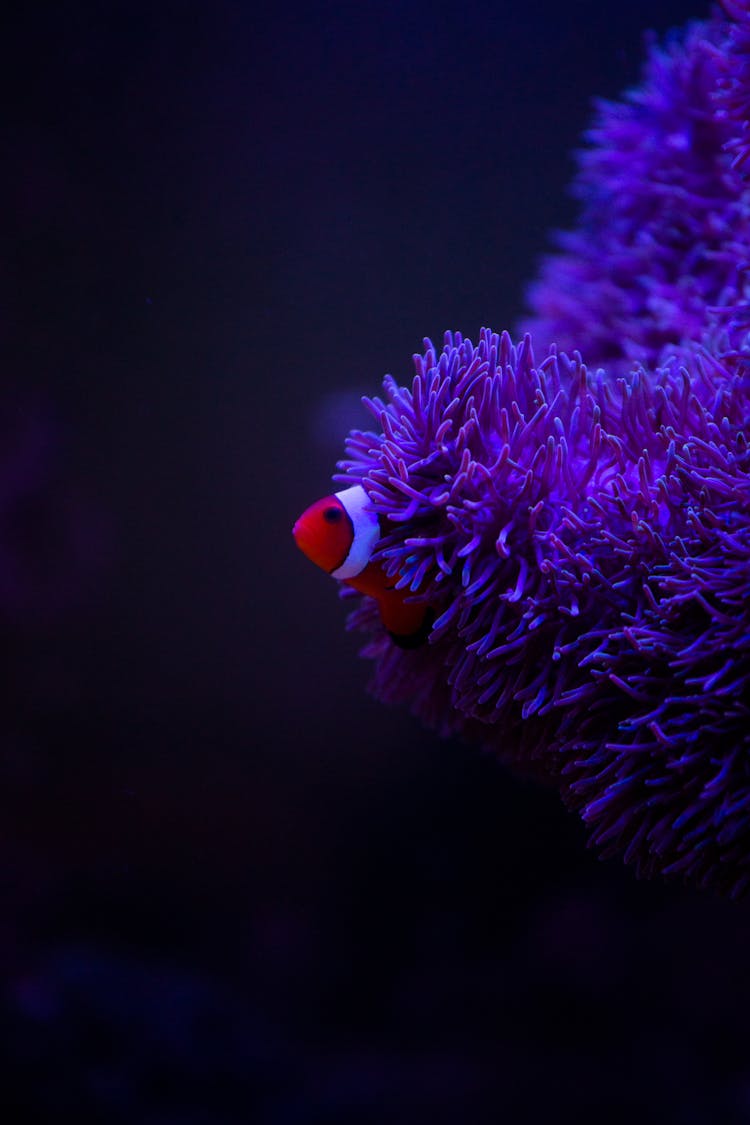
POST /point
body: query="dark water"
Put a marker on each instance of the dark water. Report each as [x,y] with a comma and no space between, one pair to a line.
[233,888]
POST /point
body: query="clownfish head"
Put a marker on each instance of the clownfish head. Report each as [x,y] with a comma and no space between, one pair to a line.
[339,532]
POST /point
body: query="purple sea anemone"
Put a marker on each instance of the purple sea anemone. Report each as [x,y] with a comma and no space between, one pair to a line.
[663,239]
[734,91]
[586,544]
[582,534]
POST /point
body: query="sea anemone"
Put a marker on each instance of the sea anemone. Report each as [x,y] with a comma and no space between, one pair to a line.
[586,544]
[734,89]
[663,238]
[581,531]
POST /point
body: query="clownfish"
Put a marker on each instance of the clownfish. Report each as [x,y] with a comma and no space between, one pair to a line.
[338,534]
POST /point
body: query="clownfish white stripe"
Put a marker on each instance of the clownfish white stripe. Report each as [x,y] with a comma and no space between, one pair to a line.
[365,531]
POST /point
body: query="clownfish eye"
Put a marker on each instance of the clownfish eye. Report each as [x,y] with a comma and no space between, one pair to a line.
[332,515]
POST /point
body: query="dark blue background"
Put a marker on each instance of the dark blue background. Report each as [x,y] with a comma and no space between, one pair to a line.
[232,887]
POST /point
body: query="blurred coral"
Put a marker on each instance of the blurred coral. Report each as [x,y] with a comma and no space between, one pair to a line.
[51,538]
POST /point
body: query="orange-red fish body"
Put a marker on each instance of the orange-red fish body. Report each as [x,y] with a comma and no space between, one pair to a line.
[338,534]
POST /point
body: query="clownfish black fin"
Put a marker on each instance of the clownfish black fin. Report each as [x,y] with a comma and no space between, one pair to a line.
[417,638]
